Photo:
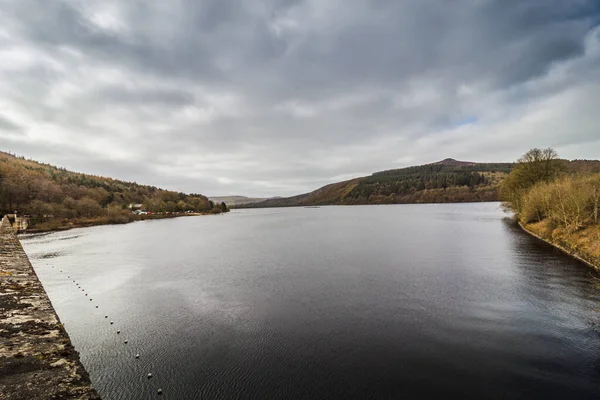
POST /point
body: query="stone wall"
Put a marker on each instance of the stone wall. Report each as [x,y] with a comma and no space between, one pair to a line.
[19,223]
[37,359]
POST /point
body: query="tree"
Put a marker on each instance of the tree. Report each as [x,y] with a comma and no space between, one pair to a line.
[182,206]
[224,207]
[535,166]
[88,208]
[170,206]
[593,184]
[38,210]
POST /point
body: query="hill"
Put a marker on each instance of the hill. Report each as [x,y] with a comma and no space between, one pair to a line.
[236,200]
[446,181]
[54,197]
[451,162]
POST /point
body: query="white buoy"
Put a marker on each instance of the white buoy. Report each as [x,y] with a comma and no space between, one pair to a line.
[106,316]
[137,356]
[118,331]
[111,322]
[149,376]
[159,391]
[125,341]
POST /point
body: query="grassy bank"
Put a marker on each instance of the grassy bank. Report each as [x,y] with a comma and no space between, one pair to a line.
[583,244]
[565,212]
[557,204]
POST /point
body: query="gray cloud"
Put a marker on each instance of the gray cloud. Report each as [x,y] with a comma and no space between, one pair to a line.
[8,125]
[280,97]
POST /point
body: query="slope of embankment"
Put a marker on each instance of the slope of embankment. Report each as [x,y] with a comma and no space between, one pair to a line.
[37,359]
[583,244]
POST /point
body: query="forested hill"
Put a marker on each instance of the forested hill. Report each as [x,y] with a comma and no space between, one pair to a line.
[447,181]
[47,193]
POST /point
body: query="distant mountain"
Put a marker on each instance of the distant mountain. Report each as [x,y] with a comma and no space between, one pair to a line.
[233,201]
[446,181]
[451,162]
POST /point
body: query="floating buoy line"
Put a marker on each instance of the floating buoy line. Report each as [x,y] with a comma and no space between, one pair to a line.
[159,391]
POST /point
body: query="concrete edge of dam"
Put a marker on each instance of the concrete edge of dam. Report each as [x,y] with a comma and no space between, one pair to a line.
[37,359]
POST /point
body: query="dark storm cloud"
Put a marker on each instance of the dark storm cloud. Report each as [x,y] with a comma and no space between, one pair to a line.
[278,97]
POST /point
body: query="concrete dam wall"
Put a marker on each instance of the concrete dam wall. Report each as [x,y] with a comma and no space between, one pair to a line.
[37,359]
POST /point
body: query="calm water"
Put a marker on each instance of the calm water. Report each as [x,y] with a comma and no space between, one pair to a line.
[382,302]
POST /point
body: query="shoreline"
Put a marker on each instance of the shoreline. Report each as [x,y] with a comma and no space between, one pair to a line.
[73,224]
[568,251]
[253,205]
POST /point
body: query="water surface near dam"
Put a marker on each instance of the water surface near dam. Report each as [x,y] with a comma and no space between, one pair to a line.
[403,301]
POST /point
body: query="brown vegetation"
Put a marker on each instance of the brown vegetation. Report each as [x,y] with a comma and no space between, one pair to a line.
[583,243]
[56,198]
[558,201]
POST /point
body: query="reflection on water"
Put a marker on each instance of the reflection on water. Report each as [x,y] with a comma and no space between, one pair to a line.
[406,301]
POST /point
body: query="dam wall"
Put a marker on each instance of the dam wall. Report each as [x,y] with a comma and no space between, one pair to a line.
[37,359]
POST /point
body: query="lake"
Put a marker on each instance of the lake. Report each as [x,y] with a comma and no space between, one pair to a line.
[370,302]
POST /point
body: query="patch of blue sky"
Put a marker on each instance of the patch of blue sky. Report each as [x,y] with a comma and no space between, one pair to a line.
[466,121]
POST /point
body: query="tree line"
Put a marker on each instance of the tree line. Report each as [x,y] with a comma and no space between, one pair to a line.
[542,187]
[431,183]
[442,182]
[46,192]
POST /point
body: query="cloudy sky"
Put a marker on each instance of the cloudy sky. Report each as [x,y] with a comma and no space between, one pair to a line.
[279,97]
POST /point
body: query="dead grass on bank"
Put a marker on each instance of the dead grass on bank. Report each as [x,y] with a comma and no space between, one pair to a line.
[584,242]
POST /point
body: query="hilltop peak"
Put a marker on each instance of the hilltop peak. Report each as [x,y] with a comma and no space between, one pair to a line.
[455,163]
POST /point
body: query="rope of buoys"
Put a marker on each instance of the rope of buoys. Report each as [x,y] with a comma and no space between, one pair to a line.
[159,391]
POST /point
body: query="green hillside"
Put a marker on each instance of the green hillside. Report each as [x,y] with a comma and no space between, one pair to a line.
[233,201]
[446,181]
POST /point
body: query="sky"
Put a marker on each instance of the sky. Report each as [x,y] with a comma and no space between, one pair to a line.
[280,97]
